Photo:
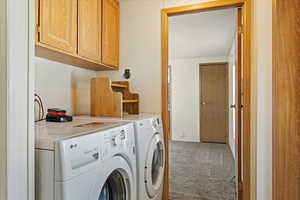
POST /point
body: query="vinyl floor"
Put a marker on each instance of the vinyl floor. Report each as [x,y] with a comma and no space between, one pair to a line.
[201,171]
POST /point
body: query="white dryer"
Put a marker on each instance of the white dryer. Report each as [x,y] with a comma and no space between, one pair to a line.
[150,153]
[151,157]
[86,160]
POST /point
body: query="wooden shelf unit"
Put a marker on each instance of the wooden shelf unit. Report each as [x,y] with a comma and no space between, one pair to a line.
[112,99]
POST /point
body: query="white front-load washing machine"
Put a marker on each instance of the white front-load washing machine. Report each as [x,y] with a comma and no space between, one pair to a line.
[150,153]
[85,160]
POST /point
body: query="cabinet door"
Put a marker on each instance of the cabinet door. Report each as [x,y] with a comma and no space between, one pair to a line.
[111,33]
[89,29]
[58,24]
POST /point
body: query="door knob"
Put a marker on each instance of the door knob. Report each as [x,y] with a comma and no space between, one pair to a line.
[203,103]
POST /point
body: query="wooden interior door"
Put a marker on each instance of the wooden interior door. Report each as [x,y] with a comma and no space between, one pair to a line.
[214,102]
[286,100]
[89,29]
[111,32]
[58,23]
[238,107]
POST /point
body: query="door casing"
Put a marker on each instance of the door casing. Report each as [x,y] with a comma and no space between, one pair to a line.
[245,5]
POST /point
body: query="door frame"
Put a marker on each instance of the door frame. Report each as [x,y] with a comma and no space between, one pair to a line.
[226,65]
[244,190]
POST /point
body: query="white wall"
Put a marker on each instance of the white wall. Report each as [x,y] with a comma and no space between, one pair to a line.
[53,82]
[3,102]
[262,60]
[174,3]
[141,51]
[185,100]
[185,97]
[231,96]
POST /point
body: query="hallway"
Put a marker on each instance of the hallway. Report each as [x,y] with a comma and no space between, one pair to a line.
[201,171]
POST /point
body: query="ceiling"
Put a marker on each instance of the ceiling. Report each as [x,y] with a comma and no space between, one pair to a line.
[206,34]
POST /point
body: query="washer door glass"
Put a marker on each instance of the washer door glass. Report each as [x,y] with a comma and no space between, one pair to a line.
[114,188]
[154,170]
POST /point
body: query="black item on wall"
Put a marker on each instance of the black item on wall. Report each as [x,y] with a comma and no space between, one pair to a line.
[127,74]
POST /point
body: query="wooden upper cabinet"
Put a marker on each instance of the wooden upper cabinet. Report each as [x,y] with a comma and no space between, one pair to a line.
[83,33]
[58,24]
[89,29]
[111,33]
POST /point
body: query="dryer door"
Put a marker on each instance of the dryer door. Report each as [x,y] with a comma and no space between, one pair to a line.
[154,169]
[115,182]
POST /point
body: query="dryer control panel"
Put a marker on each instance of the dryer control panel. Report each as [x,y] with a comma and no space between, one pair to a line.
[156,124]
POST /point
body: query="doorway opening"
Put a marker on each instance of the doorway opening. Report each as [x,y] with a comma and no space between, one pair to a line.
[239,109]
[202,53]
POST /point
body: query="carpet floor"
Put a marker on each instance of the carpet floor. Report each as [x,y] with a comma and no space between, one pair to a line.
[201,171]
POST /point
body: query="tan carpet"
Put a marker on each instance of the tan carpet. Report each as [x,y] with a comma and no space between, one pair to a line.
[201,171]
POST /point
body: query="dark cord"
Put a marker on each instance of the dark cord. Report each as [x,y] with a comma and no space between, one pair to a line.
[42,106]
[39,104]
[39,120]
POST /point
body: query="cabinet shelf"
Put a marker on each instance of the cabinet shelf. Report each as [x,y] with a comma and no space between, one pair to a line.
[130,101]
[116,85]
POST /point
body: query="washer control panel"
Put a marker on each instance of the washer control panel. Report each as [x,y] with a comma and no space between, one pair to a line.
[78,155]
[120,140]
[82,151]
